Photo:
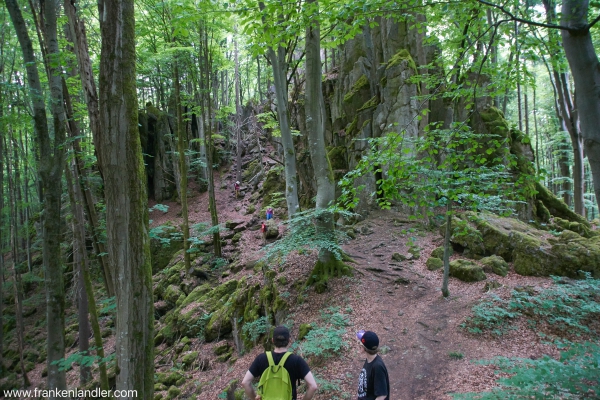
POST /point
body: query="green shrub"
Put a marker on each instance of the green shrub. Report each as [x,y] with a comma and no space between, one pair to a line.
[255,329]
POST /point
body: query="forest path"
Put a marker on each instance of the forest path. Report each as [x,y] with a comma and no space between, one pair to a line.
[402,303]
[405,308]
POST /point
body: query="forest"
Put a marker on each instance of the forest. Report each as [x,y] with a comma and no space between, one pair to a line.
[430,171]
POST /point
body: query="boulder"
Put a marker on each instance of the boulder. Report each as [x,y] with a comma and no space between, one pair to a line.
[532,251]
[434,263]
[438,252]
[273,189]
[466,271]
[171,294]
[233,224]
[495,264]
[272,229]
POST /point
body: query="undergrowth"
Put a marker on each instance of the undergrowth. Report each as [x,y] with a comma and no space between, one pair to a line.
[326,338]
[566,310]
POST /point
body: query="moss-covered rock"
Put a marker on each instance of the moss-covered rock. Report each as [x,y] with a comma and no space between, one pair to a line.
[274,188]
[236,238]
[251,170]
[399,57]
[434,263]
[338,158]
[466,271]
[360,83]
[189,359]
[495,264]
[166,241]
[582,229]
[556,206]
[272,229]
[169,378]
[172,294]
[173,274]
[173,392]
[438,252]
[303,330]
[531,250]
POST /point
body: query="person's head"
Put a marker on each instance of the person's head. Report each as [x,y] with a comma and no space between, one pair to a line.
[369,341]
[281,336]
[237,182]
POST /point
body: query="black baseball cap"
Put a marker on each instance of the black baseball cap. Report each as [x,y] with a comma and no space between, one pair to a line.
[281,333]
[368,339]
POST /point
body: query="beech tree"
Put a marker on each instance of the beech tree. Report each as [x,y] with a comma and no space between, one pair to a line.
[120,157]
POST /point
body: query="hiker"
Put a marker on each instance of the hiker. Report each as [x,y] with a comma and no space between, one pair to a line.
[273,383]
[263,230]
[237,189]
[269,213]
[373,382]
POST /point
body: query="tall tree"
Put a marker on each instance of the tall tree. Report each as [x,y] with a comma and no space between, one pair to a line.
[90,94]
[120,157]
[565,108]
[277,58]
[585,68]
[328,265]
[50,168]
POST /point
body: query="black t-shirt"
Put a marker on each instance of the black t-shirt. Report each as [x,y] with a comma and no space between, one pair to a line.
[373,380]
[294,365]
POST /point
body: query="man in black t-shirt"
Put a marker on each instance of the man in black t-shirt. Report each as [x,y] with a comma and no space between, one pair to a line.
[373,382]
[296,367]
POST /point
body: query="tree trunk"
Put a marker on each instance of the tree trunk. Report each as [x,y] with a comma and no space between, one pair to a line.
[1,242]
[278,64]
[566,112]
[183,179]
[17,289]
[50,168]
[79,258]
[327,265]
[585,69]
[90,94]
[126,199]
[85,281]
[238,114]
[210,148]
[445,291]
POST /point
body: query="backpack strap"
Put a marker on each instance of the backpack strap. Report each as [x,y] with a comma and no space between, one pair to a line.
[270,358]
[284,358]
[281,362]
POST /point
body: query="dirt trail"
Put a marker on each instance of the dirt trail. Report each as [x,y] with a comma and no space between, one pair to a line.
[402,302]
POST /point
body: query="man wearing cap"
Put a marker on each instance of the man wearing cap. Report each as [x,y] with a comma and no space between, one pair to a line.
[373,382]
[295,365]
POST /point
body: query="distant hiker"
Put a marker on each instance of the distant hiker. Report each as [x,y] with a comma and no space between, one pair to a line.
[263,230]
[277,383]
[237,189]
[269,213]
[373,382]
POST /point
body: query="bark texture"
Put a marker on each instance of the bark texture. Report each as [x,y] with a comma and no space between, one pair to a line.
[126,199]
[585,68]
